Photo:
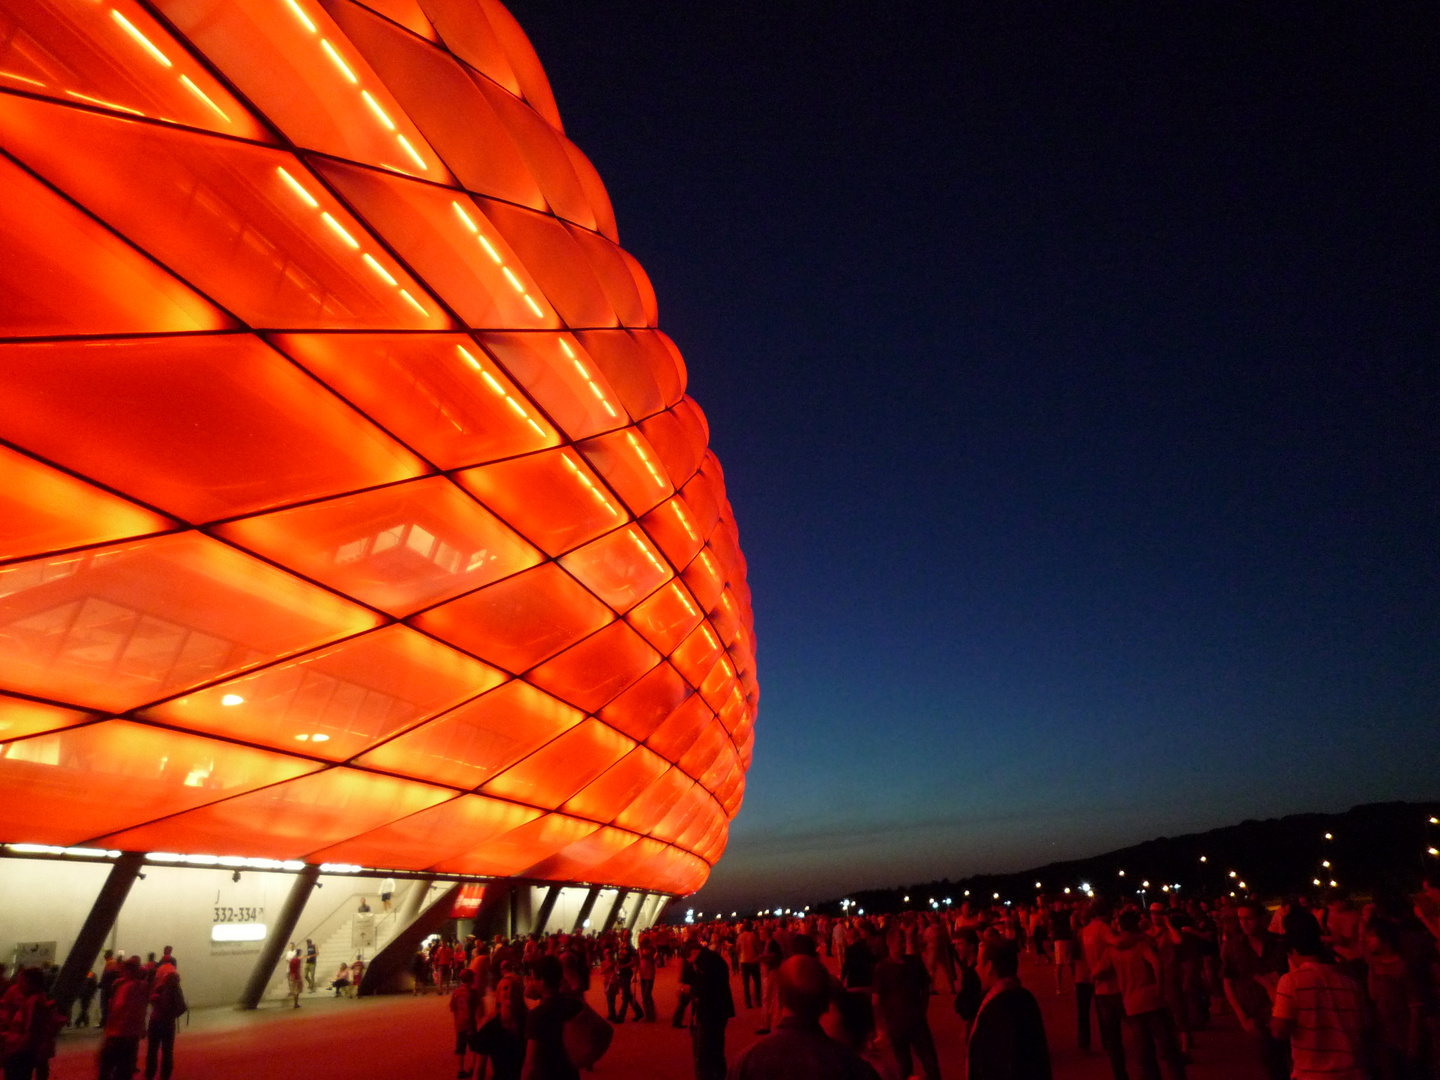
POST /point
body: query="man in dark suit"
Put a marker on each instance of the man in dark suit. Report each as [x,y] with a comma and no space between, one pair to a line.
[711,1007]
[1008,1040]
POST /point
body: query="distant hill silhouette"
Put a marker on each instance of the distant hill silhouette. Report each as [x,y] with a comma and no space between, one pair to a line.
[1370,846]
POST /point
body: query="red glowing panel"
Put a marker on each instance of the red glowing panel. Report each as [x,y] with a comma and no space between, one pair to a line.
[643,708]
[620,568]
[74,785]
[560,376]
[720,770]
[469,35]
[707,821]
[619,786]
[634,361]
[599,200]
[704,751]
[445,103]
[440,393]
[203,427]
[608,263]
[667,617]
[114,56]
[717,687]
[520,848]
[671,526]
[337,701]
[289,820]
[675,442]
[65,274]
[733,711]
[534,85]
[19,718]
[521,621]
[705,579]
[469,745]
[398,548]
[116,627]
[408,14]
[725,617]
[650,808]
[630,466]
[591,673]
[46,510]
[291,60]
[704,502]
[543,151]
[681,728]
[575,861]
[552,499]
[697,654]
[447,240]
[556,261]
[248,225]
[440,832]
[683,814]
[635,863]
[555,772]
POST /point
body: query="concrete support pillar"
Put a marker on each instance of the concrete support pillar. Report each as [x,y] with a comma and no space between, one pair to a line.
[547,906]
[639,901]
[620,899]
[415,900]
[96,927]
[279,937]
[585,909]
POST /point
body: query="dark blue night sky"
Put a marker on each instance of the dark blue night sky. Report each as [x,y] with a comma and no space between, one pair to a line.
[1075,369]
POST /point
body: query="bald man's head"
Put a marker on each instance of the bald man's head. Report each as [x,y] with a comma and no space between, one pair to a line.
[804,987]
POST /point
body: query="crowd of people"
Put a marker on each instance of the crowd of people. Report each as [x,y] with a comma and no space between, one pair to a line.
[139,1000]
[1333,989]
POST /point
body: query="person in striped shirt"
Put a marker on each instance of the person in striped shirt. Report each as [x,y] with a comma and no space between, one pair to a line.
[1321,1011]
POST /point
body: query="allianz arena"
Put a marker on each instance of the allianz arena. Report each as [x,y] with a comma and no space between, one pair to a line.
[354,519]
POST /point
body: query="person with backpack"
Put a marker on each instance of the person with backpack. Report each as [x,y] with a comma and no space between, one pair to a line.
[167,1005]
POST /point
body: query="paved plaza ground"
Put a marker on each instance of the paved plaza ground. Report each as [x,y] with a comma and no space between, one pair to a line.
[409,1038]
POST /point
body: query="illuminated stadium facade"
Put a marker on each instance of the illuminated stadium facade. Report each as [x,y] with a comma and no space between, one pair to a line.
[353,516]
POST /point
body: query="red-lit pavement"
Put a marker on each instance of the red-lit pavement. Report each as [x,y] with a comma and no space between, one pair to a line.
[410,1037]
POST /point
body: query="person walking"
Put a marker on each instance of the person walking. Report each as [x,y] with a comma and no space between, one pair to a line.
[312,954]
[167,1005]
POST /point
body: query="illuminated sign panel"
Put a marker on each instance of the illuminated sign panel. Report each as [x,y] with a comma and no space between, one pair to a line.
[352,510]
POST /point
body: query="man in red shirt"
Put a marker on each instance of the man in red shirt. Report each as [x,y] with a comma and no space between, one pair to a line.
[125,1024]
